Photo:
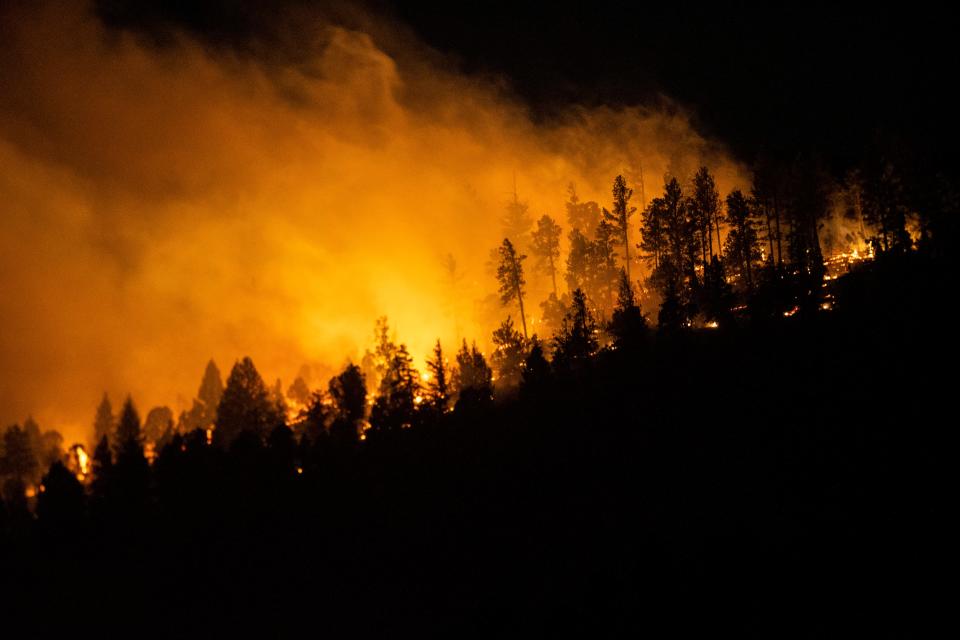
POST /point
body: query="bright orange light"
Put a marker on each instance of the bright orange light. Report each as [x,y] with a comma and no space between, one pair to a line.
[83,461]
[274,215]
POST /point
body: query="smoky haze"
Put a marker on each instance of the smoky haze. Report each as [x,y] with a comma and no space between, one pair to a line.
[164,204]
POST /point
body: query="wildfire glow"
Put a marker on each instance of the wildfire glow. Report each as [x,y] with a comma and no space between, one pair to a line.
[166,204]
[83,461]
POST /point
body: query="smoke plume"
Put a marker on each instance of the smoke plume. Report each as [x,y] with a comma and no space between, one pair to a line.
[167,203]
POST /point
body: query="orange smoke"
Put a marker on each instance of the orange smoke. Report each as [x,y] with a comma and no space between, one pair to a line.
[165,205]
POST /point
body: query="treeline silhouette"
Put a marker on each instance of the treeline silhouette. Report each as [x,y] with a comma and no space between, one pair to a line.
[756,462]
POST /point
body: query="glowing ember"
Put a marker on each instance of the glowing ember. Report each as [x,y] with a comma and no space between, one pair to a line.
[83,461]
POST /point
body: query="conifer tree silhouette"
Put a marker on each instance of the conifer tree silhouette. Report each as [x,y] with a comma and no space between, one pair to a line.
[510,277]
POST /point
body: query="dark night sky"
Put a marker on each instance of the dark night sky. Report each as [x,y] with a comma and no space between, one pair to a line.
[805,77]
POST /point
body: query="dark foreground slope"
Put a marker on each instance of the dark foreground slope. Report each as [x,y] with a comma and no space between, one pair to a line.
[787,479]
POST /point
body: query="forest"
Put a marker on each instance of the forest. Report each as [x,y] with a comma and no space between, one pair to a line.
[723,413]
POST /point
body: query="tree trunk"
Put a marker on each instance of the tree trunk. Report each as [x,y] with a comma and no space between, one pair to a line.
[523,318]
[553,276]
[626,247]
[719,245]
[703,249]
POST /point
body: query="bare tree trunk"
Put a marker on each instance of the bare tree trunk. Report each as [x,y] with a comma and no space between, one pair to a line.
[523,317]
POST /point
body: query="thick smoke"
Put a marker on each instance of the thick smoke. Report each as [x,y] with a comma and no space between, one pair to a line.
[160,205]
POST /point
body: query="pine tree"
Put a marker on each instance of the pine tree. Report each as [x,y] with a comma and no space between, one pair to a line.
[671,234]
[578,260]
[653,239]
[348,393]
[743,244]
[516,221]
[61,505]
[552,311]
[620,216]
[510,277]
[209,394]
[678,230]
[717,293]
[375,363]
[245,405]
[279,402]
[670,319]
[577,341]
[592,265]
[546,247]
[472,379]
[396,405]
[131,471]
[582,216]
[706,212]
[627,325]
[508,355]
[437,394]
[129,441]
[19,459]
[104,423]
[602,272]
[101,488]
[536,370]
